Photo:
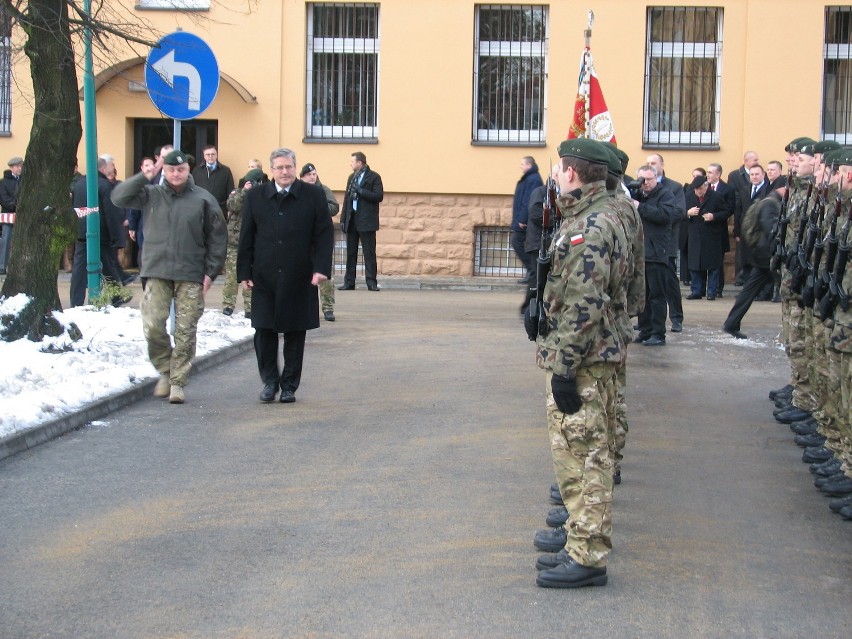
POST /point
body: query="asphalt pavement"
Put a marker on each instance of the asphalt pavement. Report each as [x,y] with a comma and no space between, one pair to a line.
[399,496]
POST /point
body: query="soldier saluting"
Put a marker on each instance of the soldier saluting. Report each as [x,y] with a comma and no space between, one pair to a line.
[581,351]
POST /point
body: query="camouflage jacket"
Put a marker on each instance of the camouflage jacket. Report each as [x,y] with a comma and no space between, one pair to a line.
[841,333]
[797,205]
[635,291]
[588,280]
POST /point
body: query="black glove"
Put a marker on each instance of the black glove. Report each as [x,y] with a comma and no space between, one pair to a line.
[356,189]
[565,394]
[531,320]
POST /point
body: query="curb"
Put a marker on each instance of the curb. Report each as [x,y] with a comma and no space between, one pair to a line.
[42,433]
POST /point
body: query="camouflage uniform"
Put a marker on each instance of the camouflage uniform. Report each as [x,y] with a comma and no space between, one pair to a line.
[326,288]
[155,309]
[794,325]
[235,218]
[635,302]
[591,267]
[840,370]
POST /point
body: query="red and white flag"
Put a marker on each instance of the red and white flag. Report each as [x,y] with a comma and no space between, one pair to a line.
[591,117]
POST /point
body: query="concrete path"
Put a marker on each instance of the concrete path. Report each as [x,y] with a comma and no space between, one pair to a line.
[399,495]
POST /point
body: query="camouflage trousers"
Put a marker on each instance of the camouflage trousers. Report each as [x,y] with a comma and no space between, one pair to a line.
[582,447]
[326,292]
[155,307]
[620,414]
[229,290]
[819,374]
[844,410]
[798,334]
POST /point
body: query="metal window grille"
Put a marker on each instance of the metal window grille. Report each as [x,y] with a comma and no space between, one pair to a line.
[343,71]
[5,72]
[509,72]
[683,76]
[837,75]
[493,254]
[338,266]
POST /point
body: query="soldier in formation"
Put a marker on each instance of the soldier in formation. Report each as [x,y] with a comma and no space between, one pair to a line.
[813,256]
[235,218]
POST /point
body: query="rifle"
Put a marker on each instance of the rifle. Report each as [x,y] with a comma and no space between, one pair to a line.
[793,264]
[836,295]
[778,234]
[536,322]
[821,286]
[808,256]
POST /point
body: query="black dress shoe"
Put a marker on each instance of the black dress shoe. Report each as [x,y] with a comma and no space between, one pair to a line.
[711,297]
[373,287]
[693,296]
[557,517]
[227,311]
[813,439]
[287,397]
[346,287]
[571,575]
[733,333]
[268,392]
[551,539]
[329,316]
[549,560]
[677,327]
[639,339]
[654,340]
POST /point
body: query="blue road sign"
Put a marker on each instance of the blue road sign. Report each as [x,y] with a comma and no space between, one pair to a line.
[182,76]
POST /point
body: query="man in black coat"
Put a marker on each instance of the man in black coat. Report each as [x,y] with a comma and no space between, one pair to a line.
[285,251]
[740,186]
[214,177]
[657,209]
[720,187]
[708,223]
[111,237]
[9,186]
[360,220]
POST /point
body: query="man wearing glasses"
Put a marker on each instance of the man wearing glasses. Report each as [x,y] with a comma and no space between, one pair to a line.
[285,251]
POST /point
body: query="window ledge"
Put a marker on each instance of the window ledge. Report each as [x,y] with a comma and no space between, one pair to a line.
[682,147]
[340,140]
[507,143]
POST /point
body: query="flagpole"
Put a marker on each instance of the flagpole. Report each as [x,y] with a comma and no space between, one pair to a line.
[587,34]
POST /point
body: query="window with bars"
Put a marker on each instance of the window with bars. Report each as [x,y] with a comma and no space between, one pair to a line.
[509,72]
[343,71]
[683,76]
[493,253]
[837,75]
[5,72]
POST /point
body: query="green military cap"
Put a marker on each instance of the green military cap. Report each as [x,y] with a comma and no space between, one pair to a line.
[585,149]
[838,157]
[174,158]
[794,145]
[623,159]
[255,175]
[825,146]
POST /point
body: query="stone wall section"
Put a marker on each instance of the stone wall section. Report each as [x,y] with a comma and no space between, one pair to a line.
[425,234]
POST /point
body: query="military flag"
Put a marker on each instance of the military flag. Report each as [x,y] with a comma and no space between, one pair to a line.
[591,118]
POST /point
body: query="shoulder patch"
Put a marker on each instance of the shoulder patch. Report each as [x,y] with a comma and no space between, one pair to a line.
[577,239]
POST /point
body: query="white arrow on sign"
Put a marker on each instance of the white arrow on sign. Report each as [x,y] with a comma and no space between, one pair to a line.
[168,69]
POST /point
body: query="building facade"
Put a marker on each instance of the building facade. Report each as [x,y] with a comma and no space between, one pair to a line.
[445,96]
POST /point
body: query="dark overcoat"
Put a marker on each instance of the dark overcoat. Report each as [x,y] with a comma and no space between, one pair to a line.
[284,240]
[706,248]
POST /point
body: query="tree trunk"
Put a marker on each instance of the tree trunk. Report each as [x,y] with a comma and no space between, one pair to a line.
[45,222]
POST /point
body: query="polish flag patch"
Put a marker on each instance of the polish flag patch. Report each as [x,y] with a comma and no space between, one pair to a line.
[577,239]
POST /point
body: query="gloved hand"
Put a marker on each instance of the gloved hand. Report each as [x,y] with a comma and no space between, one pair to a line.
[531,320]
[355,189]
[565,394]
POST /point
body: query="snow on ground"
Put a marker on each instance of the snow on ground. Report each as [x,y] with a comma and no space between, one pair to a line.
[40,381]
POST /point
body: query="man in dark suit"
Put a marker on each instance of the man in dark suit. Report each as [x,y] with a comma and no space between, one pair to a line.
[726,193]
[285,249]
[360,220]
[738,181]
[708,222]
[758,188]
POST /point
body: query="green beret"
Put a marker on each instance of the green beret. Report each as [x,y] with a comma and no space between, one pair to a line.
[613,167]
[826,145]
[585,149]
[255,175]
[807,148]
[839,157]
[793,146]
[623,158]
[175,158]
